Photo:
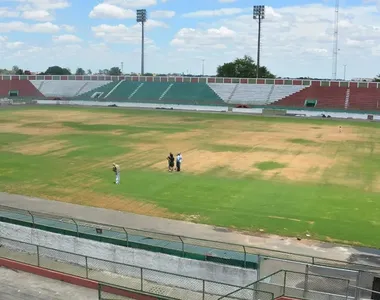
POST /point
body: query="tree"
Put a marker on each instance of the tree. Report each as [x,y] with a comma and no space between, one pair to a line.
[103,72]
[80,71]
[56,70]
[243,68]
[114,71]
[89,72]
[15,70]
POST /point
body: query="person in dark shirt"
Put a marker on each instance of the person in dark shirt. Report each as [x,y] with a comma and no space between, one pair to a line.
[170,159]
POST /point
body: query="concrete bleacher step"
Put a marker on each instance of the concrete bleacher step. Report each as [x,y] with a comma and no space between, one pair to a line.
[270,94]
[165,92]
[136,90]
[81,89]
[232,93]
[40,86]
[114,88]
[223,90]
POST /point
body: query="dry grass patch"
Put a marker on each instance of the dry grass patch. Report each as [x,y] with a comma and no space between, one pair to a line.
[296,167]
[59,115]
[145,135]
[38,148]
[41,131]
[86,197]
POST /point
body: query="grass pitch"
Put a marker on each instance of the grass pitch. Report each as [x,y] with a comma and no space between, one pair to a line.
[273,175]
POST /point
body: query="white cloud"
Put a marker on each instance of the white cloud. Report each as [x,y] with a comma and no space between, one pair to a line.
[192,39]
[132,3]
[37,15]
[214,13]
[109,11]
[123,34]
[42,4]
[117,34]
[66,39]
[6,12]
[150,24]
[25,27]
[162,14]
[68,28]
[14,45]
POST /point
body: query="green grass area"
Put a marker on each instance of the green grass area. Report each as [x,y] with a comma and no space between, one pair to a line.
[228,148]
[302,141]
[269,165]
[341,205]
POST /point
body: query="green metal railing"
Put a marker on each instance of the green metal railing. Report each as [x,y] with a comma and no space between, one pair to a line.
[181,246]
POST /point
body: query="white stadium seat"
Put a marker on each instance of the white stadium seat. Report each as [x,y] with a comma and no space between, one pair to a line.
[223,90]
[253,94]
[66,88]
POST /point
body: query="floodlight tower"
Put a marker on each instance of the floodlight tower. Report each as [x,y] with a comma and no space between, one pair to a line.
[259,15]
[336,36]
[141,18]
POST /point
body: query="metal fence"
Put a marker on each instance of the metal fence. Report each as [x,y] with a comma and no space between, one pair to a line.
[145,280]
[222,252]
[361,279]
[294,285]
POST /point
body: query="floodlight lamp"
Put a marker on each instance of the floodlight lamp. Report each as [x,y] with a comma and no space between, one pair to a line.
[258,12]
[141,15]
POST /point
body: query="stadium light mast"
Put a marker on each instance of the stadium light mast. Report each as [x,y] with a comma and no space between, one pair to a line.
[336,36]
[259,15]
[141,18]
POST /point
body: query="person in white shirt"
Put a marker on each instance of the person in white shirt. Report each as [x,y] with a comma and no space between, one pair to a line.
[178,162]
[116,170]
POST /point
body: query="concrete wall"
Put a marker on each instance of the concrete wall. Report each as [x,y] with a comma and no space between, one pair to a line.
[302,113]
[117,254]
[138,105]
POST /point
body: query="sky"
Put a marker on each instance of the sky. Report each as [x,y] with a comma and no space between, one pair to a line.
[182,35]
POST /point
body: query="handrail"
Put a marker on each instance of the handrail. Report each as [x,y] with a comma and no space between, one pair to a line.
[183,240]
[283,284]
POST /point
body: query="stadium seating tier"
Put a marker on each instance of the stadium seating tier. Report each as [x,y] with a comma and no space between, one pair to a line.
[197,91]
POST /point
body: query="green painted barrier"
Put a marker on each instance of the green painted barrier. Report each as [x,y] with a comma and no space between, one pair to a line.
[227,257]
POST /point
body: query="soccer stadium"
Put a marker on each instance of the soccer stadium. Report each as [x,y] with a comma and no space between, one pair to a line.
[275,195]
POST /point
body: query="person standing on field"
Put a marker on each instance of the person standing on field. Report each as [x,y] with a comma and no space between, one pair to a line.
[178,162]
[170,159]
[116,170]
